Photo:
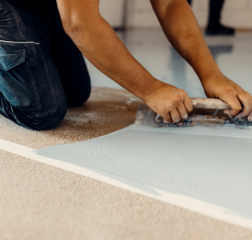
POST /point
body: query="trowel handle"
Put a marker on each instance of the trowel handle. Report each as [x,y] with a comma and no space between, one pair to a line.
[209,103]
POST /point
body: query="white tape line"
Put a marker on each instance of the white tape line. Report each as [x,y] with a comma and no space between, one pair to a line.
[188,203]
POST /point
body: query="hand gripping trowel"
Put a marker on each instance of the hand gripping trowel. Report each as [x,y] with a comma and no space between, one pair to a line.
[206,112]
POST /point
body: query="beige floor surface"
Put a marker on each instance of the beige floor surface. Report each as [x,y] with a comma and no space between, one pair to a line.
[38,201]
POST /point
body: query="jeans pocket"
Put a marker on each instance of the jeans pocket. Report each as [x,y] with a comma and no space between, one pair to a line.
[17,82]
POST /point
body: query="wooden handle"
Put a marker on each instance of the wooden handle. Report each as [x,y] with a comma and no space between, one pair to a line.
[209,103]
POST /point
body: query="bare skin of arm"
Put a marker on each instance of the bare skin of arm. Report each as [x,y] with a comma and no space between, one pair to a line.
[182,30]
[100,45]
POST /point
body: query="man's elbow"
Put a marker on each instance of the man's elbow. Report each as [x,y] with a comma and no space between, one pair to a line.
[72,25]
[80,27]
[163,7]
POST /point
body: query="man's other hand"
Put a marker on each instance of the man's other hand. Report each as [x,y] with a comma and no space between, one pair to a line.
[240,101]
[171,103]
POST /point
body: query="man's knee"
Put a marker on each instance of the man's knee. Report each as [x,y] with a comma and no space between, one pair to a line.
[40,123]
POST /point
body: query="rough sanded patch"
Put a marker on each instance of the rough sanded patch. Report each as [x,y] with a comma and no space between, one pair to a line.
[106,111]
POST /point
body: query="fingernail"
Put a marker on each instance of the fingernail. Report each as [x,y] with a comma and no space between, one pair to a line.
[185,116]
[166,122]
[177,120]
[250,118]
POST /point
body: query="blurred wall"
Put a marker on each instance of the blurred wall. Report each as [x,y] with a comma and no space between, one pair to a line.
[237,13]
[112,11]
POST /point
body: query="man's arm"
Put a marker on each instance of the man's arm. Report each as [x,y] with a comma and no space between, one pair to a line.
[101,46]
[98,42]
[182,30]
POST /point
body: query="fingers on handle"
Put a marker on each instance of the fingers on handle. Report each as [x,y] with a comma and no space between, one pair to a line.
[182,111]
[167,118]
[246,101]
[188,104]
[235,105]
[175,116]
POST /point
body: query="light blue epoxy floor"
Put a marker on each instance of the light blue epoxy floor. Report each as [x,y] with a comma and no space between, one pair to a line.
[155,53]
[213,166]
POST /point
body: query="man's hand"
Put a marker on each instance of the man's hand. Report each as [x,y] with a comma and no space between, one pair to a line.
[171,103]
[181,28]
[219,86]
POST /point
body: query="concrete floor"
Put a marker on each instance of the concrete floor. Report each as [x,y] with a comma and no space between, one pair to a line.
[38,201]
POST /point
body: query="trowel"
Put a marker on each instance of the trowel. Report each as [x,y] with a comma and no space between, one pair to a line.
[206,112]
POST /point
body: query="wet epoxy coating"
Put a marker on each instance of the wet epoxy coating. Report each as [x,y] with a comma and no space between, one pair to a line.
[212,165]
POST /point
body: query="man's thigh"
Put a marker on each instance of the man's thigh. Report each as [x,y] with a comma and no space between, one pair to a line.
[70,64]
[30,88]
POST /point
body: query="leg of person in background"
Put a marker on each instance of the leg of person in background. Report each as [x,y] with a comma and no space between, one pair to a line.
[214,26]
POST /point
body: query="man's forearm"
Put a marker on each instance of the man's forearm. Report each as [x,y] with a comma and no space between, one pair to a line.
[99,43]
[182,30]
[101,46]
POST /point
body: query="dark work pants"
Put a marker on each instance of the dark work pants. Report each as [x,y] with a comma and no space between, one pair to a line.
[41,70]
[215,7]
